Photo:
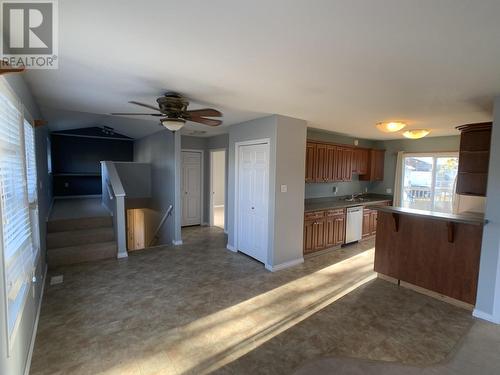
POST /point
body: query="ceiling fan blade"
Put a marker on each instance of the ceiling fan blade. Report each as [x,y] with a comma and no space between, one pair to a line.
[145,105]
[205,121]
[137,114]
[209,112]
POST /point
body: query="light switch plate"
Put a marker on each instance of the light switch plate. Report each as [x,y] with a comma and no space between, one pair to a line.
[284,188]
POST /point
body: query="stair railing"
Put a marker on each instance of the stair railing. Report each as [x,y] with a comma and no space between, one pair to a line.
[160,225]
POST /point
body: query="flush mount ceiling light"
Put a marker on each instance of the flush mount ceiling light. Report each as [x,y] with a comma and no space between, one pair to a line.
[416,133]
[173,124]
[391,127]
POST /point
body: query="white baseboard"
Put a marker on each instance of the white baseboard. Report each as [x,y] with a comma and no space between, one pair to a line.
[485,316]
[282,266]
[121,255]
[27,367]
[231,248]
[220,206]
[177,242]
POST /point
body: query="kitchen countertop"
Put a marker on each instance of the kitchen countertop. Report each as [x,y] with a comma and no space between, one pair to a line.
[473,218]
[318,204]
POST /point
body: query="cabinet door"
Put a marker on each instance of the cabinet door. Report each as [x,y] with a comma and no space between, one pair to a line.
[310,162]
[373,222]
[321,163]
[339,229]
[331,165]
[362,161]
[330,231]
[319,234]
[378,165]
[308,236]
[347,158]
[367,230]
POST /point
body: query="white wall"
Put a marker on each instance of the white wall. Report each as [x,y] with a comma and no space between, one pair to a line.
[287,164]
[219,177]
[488,292]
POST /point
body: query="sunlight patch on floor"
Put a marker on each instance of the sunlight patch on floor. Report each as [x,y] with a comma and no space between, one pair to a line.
[213,341]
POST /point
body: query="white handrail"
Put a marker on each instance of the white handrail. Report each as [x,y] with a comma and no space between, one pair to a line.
[114,179]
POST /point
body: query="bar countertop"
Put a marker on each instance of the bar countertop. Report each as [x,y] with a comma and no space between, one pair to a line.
[319,204]
[473,218]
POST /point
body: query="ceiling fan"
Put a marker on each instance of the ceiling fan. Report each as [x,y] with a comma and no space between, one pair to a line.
[173,110]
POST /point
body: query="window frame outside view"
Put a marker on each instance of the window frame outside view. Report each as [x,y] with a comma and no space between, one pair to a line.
[422,196]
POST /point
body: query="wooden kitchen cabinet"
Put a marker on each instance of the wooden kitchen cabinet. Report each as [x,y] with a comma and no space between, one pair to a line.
[327,162]
[310,162]
[323,229]
[375,170]
[474,159]
[360,161]
[369,222]
[335,227]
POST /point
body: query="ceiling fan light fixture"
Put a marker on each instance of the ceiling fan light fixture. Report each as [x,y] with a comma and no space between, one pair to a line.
[416,133]
[173,124]
[391,127]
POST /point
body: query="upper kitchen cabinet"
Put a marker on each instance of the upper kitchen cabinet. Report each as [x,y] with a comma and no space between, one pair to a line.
[375,170]
[474,159]
[360,161]
[327,162]
[310,162]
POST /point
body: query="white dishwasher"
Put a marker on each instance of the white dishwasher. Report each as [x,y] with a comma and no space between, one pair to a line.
[354,225]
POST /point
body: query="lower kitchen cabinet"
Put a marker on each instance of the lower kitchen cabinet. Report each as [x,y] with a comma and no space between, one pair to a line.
[323,229]
[369,222]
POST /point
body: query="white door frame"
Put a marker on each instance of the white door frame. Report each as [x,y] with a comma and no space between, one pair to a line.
[211,208]
[237,145]
[202,182]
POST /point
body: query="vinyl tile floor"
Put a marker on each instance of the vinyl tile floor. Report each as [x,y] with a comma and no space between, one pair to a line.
[199,308]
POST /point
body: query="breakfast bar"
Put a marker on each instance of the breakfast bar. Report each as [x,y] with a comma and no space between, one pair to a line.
[434,251]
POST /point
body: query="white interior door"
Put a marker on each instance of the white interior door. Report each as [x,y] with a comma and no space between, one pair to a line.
[253,200]
[191,188]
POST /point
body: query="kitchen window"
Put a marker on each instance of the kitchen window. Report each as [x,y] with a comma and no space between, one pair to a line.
[429,181]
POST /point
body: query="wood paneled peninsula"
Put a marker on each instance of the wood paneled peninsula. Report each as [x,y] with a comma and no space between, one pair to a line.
[433,251]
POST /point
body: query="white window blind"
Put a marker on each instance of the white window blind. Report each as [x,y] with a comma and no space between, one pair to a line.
[16,219]
[29,145]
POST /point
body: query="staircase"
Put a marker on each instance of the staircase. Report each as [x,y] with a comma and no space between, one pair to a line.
[78,240]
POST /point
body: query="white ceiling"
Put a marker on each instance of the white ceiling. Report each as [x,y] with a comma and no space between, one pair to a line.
[341,65]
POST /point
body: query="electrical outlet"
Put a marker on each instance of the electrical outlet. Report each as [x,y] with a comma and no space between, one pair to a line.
[335,190]
[284,188]
[388,191]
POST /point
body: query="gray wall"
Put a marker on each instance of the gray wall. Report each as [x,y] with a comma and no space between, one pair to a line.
[135,178]
[289,206]
[428,144]
[286,210]
[488,292]
[319,190]
[158,151]
[15,364]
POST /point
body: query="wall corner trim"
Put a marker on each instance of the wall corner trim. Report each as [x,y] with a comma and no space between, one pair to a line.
[231,248]
[282,266]
[177,242]
[485,316]
[27,367]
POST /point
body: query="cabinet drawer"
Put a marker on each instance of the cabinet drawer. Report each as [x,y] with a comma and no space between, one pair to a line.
[314,215]
[336,212]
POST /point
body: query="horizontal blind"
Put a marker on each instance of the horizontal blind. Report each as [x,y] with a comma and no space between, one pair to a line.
[29,145]
[15,212]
